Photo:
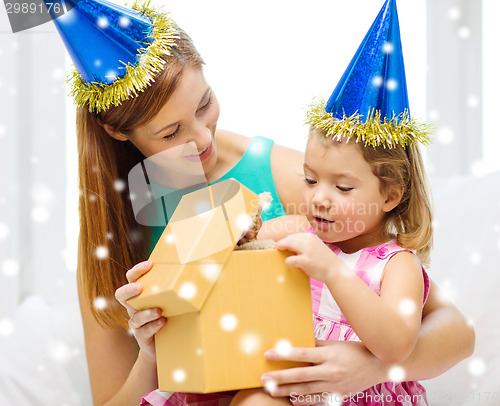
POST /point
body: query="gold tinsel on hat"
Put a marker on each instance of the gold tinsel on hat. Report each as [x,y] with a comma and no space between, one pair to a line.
[374,131]
[99,97]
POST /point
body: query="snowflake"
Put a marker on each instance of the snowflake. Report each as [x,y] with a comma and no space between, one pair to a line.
[377,81]
[211,271]
[101,252]
[6,327]
[179,375]
[2,131]
[58,73]
[475,258]
[10,267]
[228,322]
[59,351]
[188,290]
[100,303]
[40,214]
[396,374]
[445,135]
[42,195]
[244,221]
[464,32]
[250,343]
[111,74]
[454,13]
[124,21]
[477,366]
[407,307]
[283,347]
[102,22]
[270,385]
[120,185]
[392,84]
[388,48]
[4,231]
[472,101]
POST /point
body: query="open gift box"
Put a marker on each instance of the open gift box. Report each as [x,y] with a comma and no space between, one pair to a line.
[225,308]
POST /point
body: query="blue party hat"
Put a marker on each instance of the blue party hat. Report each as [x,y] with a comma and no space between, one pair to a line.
[116,51]
[371,100]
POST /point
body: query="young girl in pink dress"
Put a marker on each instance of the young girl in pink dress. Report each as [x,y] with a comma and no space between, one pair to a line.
[366,200]
[370,234]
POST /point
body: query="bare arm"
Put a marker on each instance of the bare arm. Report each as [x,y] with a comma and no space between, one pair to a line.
[386,324]
[445,339]
[121,372]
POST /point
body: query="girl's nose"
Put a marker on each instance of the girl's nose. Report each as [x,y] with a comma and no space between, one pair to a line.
[321,199]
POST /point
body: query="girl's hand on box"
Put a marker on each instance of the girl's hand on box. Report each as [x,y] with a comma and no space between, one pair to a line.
[311,255]
[337,367]
[144,324]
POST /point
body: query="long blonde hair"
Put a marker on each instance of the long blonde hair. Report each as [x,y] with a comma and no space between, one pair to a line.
[110,240]
[410,222]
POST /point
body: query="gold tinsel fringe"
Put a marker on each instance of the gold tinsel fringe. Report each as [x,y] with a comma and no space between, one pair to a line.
[99,97]
[400,129]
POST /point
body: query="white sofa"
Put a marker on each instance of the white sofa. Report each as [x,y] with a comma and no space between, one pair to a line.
[42,359]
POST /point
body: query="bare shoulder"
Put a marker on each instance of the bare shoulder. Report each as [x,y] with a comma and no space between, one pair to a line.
[287,168]
[403,266]
[231,142]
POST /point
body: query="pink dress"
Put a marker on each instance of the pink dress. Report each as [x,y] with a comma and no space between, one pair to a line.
[329,324]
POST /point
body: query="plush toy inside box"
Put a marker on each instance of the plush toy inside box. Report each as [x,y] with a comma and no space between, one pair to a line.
[225,308]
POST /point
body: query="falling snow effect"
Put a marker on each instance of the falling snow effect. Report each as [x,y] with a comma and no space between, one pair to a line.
[211,271]
[40,214]
[270,385]
[477,366]
[10,267]
[102,22]
[101,252]
[6,327]
[250,343]
[188,290]
[179,375]
[244,222]
[407,307]
[4,231]
[283,348]
[59,351]
[396,374]
[100,303]
[120,185]
[228,322]
[445,135]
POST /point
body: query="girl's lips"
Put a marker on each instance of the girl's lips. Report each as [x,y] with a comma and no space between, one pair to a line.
[201,156]
[322,223]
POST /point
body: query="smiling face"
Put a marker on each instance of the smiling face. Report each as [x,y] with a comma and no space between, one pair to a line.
[182,135]
[343,199]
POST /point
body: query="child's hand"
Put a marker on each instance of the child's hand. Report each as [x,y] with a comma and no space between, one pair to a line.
[312,255]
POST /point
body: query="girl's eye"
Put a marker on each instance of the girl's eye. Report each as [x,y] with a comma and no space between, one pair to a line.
[309,181]
[171,135]
[344,188]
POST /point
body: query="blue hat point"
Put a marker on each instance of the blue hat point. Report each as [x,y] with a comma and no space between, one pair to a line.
[375,77]
[102,38]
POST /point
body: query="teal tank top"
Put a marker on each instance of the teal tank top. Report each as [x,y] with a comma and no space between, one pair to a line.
[253,170]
